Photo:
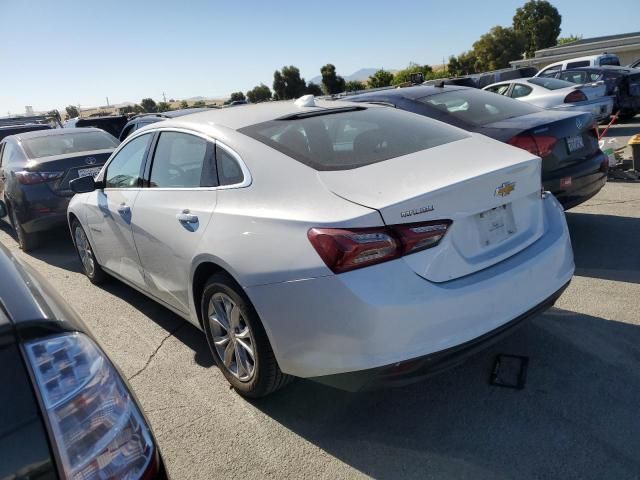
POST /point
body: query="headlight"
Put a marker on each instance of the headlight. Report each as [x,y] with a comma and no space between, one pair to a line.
[98,430]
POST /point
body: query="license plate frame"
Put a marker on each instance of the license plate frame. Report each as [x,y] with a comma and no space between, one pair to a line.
[574,143]
[496,225]
[85,172]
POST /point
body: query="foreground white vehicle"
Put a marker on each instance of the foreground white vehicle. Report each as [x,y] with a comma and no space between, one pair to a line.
[317,240]
[558,94]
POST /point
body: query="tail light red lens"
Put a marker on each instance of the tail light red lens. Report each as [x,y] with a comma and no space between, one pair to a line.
[540,145]
[32,178]
[348,249]
[575,96]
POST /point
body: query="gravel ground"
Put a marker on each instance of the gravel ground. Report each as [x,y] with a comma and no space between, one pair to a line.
[577,418]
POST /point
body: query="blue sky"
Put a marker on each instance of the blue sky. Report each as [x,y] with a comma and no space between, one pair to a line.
[60,52]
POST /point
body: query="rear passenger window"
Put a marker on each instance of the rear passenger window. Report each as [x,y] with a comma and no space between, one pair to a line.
[229,171]
[520,90]
[182,160]
[499,89]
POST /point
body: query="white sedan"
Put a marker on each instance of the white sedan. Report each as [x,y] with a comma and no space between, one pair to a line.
[348,243]
[558,94]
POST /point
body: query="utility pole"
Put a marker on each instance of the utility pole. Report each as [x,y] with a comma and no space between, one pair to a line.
[164,97]
[107,102]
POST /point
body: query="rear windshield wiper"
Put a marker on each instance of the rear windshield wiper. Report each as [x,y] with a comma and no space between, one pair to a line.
[317,113]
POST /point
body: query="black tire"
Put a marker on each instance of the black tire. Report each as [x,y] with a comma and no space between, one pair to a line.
[26,241]
[267,376]
[95,274]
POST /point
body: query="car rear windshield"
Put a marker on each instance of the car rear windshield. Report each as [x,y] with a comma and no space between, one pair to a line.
[76,142]
[550,83]
[353,137]
[478,107]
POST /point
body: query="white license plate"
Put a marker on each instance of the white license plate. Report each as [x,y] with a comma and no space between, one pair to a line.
[496,225]
[575,143]
[85,172]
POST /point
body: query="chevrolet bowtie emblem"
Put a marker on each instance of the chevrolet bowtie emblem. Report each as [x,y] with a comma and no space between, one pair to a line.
[505,189]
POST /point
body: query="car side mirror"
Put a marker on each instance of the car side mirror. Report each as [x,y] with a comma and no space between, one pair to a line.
[3,209]
[83,184]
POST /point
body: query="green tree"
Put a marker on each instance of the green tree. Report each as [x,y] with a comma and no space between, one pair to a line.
[259,93]
[287,83]
[184,104]
[138,109]
[148,105]
[404,75]
[54,113]
[463,64]
[163,107]
[354,86]
[237,96]
[539,23]
[569,39]
[494,50]
[199,104]
[72,112]
[331,82]
[381,78]
[314,89]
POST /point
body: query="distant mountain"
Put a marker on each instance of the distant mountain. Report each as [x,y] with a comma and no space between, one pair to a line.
[361,75]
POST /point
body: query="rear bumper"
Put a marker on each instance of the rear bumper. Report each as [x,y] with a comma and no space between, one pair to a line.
[38,208]
[587,179]
[600,108]
[385,314]
[414,370]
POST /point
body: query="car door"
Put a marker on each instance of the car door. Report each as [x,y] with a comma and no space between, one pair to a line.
[110,211]
[172,213]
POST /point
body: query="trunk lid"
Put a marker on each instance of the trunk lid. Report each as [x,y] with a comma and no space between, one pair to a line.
[490,191]
[565,127]
[71,166]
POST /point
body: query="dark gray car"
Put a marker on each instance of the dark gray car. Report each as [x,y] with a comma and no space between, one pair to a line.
[35,170]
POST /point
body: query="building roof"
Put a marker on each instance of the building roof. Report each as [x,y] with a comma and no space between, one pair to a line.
[619,43]
[604,38]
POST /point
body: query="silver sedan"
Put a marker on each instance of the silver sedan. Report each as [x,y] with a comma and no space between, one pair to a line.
[329,240]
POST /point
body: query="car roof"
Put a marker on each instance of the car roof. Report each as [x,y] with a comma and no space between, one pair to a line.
[246,115]
[411,93]
[55,131]
[41,126]
[617,68]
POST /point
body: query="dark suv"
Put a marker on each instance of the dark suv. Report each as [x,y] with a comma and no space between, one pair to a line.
[145,119]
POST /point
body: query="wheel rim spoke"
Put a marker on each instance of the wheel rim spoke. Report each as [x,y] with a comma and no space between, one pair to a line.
[231,337]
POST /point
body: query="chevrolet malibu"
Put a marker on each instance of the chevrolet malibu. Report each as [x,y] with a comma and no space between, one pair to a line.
[353,244]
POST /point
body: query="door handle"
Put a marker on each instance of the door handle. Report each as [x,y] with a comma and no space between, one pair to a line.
[187,217]
[124,209]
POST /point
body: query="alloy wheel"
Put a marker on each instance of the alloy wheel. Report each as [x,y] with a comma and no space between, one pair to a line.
[232,337]
[84,250]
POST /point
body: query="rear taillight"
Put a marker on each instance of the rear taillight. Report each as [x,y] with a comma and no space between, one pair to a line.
[347,249]
[540,145]
[31,178]
[97,428]
[575,96]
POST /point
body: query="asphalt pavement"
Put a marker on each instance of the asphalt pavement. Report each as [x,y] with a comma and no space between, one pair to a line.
[577,418]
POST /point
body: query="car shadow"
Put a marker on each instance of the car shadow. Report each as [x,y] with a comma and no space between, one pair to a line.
[605,246]
[577,417]
[184,331]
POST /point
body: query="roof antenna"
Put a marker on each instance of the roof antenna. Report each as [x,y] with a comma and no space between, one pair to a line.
[305,101]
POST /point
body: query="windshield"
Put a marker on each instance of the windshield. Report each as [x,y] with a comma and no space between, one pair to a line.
[478,107]
[76,142]
[550,83]
[354,138]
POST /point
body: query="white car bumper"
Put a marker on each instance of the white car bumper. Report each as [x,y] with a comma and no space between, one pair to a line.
[384,314]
